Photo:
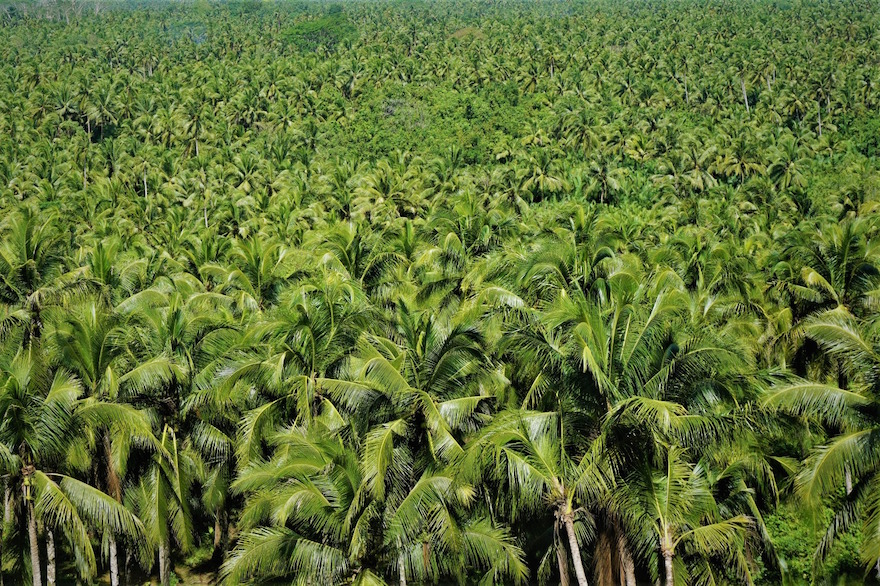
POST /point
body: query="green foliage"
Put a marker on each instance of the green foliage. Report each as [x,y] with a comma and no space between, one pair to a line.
[465,292]
[796,537]
[324,31]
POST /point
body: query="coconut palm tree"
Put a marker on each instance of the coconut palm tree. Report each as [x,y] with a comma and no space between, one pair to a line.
[525,457]
[313,514]
[44,420]
[846,458]
[676,513]
[32,267]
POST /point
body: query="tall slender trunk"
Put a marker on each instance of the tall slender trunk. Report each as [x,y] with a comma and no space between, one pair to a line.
[114,562]
[843,383]
[568,521]
[564,579]
[114,488]
[35,545]
[627,565]
[742,83]
[667,560]
[820,120]
[603,560]
[164,562]
[218,532]
[667,549]
[7,504]
[401,570]
[50,558]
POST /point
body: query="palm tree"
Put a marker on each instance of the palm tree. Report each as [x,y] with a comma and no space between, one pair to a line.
[162,500]
[847,457]
[313,515]
[838,267]
[524,455]
[90,342]
[42,413]
[676,510]
[32,266]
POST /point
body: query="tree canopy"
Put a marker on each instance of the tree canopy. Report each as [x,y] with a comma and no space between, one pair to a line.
[454,292]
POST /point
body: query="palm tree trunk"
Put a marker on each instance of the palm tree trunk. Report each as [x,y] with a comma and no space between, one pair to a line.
[7,504]
[568,521]
[127,566]
[401,570]
[114,488]
[627,565]
[164,562]
[114,562]
[218,532]
[35,545]
[667,560]
[50,558]
[564,579]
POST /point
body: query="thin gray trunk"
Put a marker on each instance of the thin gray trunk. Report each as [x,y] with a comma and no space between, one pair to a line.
[564,580]
[114,489]
[164,562]
[401,570]
[667,560]
[820,120]
[568,520]
[114,562]
[847,479]
[35,545]
[742,83]
[50,558]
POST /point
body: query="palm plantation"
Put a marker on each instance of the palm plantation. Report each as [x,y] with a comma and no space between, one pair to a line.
[439,293]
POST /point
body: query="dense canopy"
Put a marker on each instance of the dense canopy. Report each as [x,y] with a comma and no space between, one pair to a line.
[450,292]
